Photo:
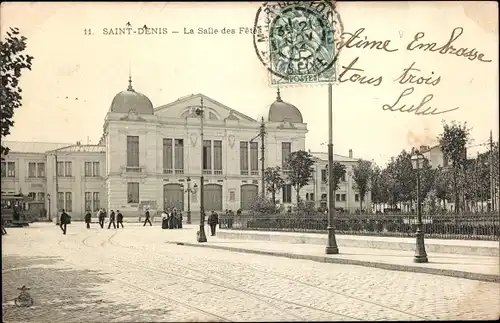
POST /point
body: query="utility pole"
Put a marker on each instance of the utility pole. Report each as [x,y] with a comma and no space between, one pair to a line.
[492,184]
[262,158]
[202,236]
[57,190]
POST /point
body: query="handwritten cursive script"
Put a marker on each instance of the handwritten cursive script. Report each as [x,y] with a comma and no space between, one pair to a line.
[470,54]
[419,109]
[356,41]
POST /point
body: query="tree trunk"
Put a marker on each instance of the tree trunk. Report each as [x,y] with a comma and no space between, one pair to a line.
[273,196]
[298,196]
[360,205]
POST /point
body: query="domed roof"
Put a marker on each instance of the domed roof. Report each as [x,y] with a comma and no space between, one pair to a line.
[281,111]
[128,100]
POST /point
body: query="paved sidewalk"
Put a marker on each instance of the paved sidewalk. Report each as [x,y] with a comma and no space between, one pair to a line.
[461,247]
[484,268]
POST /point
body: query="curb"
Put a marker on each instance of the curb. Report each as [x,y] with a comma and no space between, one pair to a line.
[345,241]
[380,265]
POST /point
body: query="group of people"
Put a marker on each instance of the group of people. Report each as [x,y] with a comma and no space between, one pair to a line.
[114,219]
[171,219]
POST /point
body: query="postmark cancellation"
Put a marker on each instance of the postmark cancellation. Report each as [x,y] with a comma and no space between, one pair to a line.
[297,41]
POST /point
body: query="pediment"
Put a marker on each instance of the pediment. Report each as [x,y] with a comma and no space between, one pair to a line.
[184,108]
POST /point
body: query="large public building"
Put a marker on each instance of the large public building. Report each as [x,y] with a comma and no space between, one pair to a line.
[151,157]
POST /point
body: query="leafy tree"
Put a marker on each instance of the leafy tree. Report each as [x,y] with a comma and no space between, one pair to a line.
[13,61]
[379,186]
[339,171]
[427,179]
[361,174]
[442,184]
[453,141]
[262,205]
[389,177]
[274,181]
[405,178]
[300,168]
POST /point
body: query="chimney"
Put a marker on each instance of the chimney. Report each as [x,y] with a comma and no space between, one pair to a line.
[350,153]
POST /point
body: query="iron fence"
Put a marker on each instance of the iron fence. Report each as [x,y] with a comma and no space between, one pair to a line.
[467,227]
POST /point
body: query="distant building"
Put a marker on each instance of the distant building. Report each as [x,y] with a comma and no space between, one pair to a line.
[146,154]
[435,156]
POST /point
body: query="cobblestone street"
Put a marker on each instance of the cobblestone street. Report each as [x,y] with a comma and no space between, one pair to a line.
[132,275]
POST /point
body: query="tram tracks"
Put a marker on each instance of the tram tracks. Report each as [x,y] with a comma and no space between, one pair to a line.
[310,285]
[218,282]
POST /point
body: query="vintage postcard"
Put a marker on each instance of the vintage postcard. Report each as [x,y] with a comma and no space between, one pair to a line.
[249,161]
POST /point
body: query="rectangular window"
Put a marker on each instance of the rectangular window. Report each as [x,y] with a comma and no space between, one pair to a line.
[11,169]
[69,202]
[343,178]
[356,197]
[286,149]
[60,201]
[32,196]
[232,196]
[337,197]
[41,169]
[324,175]
[217,155]
[88,201]
[324,197]
[41,196]
[96,200]
[133,151]
[343,197]
[96,172]
[88,169]
[244,157]
[4,169]
[179,154]
[133,193]
[254,158]
[287,193]
[167,155]
[207,154]
[60,169]
[68,169]
[31,169]
[311,196]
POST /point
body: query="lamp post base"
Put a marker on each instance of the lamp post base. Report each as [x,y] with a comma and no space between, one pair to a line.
[331,248]
[420,254]
[202,237]
[188,217]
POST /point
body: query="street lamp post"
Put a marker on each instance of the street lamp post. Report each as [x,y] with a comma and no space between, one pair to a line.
[331,248]
[420,254]
[48,198]
[202,237]
[189,191]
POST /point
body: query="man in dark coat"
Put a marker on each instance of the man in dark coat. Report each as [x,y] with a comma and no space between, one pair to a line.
[112,220]
[171,219]
[213,220]
[180,220]
[63,222]
[119,218]
[88,217]
[102,216]
[147,220]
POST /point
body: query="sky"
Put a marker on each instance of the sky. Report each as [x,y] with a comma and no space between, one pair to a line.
[93,68]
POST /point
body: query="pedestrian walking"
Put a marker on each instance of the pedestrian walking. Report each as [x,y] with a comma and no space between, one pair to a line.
[180,219]
[100,216]
[147,220]
[112,220]
[213,220]
[119,219]
[88,218]
[3,229]
[175,221]
[63,221]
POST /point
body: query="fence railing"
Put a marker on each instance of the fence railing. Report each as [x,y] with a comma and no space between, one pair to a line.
[467,227]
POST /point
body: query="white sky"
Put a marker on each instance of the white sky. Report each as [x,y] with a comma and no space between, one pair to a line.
[225,67]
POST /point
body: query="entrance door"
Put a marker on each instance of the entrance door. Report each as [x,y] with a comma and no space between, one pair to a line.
[248,193]
[213,197]
[173,196]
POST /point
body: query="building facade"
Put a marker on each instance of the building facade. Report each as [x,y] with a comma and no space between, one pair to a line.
[146,157]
